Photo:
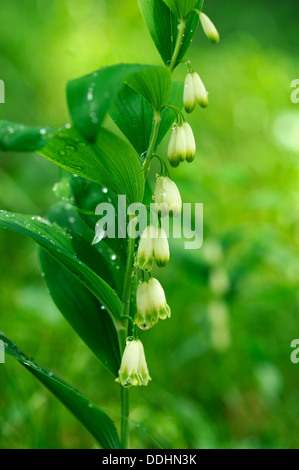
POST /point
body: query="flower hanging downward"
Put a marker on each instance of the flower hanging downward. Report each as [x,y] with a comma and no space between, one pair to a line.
[145,317]
[189,95]
[146,248]
[167,197]
[161,248]
[177,147]
[190,142]
[158,299]
[133,370]
[209,28]
[181,145]
[194,91]
[151,304]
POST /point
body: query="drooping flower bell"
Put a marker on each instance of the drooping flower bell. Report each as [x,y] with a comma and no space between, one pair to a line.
[200,92]
[190,142]
[158,299]
[189,95]
[146,249]
[194,92]
[142,366]
[209,28]
[161,248]
[145,317]
[177,148]
[151,304]
[133,370]
[167,197]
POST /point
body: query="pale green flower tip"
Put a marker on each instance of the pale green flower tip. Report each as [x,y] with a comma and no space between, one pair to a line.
[144,378]
[203,101]
[173,162]
[145,323]
[189,108]
[161,263]
[165,313]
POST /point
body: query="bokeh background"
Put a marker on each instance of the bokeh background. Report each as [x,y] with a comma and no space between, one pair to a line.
[221,369]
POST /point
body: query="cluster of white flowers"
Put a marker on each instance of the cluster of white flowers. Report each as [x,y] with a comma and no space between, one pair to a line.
[153,246]
[181,145]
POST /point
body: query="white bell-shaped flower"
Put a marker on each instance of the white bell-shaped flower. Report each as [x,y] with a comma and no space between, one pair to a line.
[128,373]
[177,148]
[189,95]
[143,373]
[133,370]
[200,91]
[209,28]
[146,248]
[161,248]
[158,299]
[145,317]
[167,197]
[190,142]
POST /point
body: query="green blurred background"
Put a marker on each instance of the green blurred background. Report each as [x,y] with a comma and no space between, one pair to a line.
[221,369]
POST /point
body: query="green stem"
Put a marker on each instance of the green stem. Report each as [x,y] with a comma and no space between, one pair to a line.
[153,141]
[181,28]
[125,428]
[128,276]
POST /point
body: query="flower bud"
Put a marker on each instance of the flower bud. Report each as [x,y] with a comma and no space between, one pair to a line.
[167,197]
[189,96]
[158,300]
[146,249]
[209,28]
[128,372]
[200,91]
[177,148]
[133,370]
[145,317]
[190,142]
[161,248]
[174,162]
[142,366]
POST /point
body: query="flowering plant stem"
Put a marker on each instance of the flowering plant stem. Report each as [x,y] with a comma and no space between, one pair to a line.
[152,144]
[181,28]
[125,429]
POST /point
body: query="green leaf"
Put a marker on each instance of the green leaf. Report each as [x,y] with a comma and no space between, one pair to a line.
[163,27]
[59,244]
[100,258]
[153,84]
[181,8]
[83,311]
[90,97]
[98,423]
[85,196]
[20,138]
[134,116]
[110,161]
